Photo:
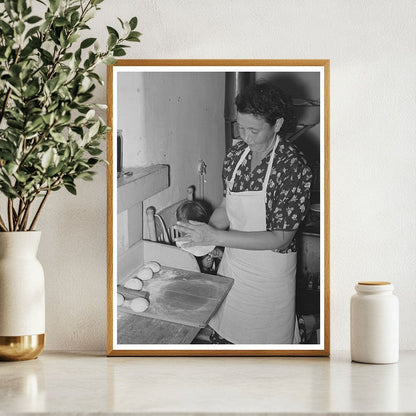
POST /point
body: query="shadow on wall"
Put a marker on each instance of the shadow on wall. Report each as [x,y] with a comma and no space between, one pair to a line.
[304,88]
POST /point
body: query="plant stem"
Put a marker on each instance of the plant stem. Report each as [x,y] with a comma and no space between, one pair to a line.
[3,109]
[2,224]
[17,217]
[26,216]
[39,209]
[10,213]
[20,214]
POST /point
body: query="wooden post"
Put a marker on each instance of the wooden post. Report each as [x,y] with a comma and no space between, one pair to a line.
[190,193]
[150,212]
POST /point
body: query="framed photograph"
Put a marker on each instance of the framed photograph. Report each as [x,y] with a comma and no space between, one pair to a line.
[218,208]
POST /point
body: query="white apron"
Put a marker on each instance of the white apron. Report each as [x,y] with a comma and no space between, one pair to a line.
[260,307]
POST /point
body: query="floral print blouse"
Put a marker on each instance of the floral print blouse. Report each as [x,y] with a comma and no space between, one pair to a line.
[288,190]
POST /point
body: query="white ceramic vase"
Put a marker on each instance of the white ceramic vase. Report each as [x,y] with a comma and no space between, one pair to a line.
[22,296]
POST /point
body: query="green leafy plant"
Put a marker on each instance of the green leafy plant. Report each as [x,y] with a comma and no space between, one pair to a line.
[50,134]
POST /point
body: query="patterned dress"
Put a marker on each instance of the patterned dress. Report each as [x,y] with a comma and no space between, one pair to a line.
[288,190]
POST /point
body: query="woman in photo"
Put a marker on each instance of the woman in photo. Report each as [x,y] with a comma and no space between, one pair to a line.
[266,197]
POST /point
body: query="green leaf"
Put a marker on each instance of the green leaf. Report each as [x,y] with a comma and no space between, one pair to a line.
[119,52]
[121,22]
[133,38]
[134,34]
[63,41]
[112,41]
[21,5]
[58,137]
[54,4]
[70,188]
[11,168]
[33,19]
[87,42]
[92,161]
[46,56]
[48,118]
[53,83]
[7,29]
[74,18]
[21,177]
[4,145]
[133,23]
[78,154]
[31,90]
[67,153]
[8,191]
[82,98]
[10,8]
[73,38]
[61,21]
[94,151]
[47,158]
[31,32]
[16,124]
[20,27]
[52,171]
[35,125]
[82,165]
[86,176]
[110,60]
[111,30]
[90,114]
[89,15]
[94,129]
[27,11]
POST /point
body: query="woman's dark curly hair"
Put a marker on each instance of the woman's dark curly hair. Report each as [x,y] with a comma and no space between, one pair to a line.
[269,102]
[193,210]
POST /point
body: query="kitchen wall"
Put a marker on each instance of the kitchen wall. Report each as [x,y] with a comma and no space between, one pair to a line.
[175,119]
[373,147]
[185,124]
[131,118]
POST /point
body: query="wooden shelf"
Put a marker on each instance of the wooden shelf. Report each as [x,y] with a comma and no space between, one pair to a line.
[138,184]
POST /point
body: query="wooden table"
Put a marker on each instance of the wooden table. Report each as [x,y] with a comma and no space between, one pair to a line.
[181,303]
[134,329]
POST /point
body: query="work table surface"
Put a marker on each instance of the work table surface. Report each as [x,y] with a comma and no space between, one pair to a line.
[89,383]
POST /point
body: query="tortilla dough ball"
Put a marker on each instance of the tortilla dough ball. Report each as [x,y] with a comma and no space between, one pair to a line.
[154,265]
[134,283]
[139,304]
[145,274]
[120,299]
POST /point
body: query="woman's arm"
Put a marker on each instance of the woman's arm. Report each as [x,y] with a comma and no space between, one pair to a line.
[219,218]
[256,240]
[197,233]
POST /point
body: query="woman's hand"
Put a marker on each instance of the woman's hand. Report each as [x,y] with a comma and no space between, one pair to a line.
[196,234]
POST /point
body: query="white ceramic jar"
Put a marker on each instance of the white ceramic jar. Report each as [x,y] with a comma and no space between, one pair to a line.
[374,323]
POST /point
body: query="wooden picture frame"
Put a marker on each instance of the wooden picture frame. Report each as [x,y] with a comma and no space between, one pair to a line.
[153,104]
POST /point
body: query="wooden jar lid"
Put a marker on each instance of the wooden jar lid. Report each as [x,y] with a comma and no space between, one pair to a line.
[374,283]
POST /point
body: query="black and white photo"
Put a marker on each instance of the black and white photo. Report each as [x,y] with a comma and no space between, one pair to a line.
[218,208]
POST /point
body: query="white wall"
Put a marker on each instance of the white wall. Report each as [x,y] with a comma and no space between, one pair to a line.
[373,147]
[185,124]
[132,118]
